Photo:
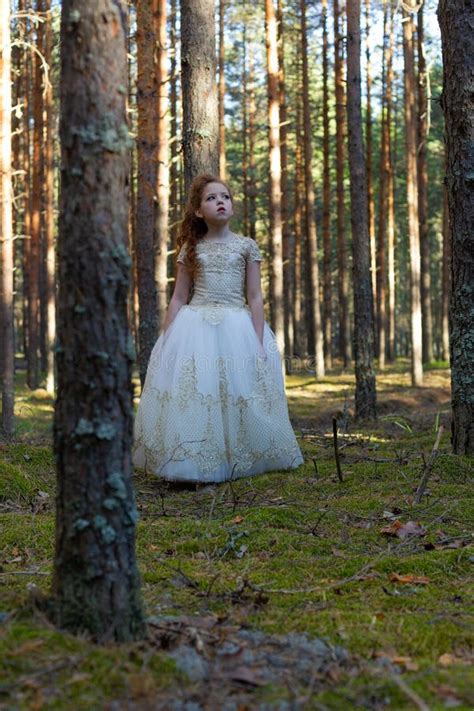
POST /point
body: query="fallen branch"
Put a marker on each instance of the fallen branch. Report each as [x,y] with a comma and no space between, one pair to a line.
[428,468]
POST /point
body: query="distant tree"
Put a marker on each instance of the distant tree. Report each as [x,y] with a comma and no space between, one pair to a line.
[412,194]
[365,397]
[456,19]
[96,582]
[7,353]
[327,285]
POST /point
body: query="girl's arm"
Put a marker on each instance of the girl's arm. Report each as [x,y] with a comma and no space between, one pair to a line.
[180,295]
[255,298]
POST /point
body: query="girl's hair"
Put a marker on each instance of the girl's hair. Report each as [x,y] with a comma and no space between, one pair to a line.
[193,228]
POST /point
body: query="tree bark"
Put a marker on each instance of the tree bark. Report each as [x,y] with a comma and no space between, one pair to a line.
[365,397]
[163,175]
[49,210]
[412,200]
[276,239]
[422,167]
[369,151]
[174,137]
[446,277]
[327,286]
[7,355]
[221,92]
[343,276]
[146,184]
[96,582]
[456,20]
[199,91]
[390,196]
[311,233]
[34,252]
[286,233]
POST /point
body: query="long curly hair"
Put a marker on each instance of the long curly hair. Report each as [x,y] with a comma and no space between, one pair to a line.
[193,228]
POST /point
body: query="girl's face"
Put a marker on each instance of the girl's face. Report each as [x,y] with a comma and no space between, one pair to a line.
[216,204]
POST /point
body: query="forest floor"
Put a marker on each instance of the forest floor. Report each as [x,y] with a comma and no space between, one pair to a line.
[285,591]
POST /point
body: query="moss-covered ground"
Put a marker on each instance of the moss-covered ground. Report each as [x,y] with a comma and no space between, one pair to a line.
[283,552]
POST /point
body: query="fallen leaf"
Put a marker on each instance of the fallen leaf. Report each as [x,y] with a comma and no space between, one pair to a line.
[447,660]
[238,519]
[403,530]
[406,662]
[409,579]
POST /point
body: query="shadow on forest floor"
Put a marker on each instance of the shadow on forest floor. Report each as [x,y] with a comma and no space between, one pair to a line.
[289,590]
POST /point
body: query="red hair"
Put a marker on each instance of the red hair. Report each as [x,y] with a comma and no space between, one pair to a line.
[192,227]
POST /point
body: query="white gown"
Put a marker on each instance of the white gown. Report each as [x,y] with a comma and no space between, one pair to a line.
[213,405]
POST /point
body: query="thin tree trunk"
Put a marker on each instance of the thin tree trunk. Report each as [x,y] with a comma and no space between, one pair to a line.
[327,286]
[96,581]
[163,176]
[390,196]
[26,165]
[245,133]
[311,233]
[456,20]
[7,355]
[380,310]
[422,167]
[146,184]
[369,150]
[34,263]
[276,240]
[286,234]
[49,212]
[252,192]
[299,343]
[174,142]
[446,279]
[365,396]
[412,200]
[221,93]
[343,276]
[198,80]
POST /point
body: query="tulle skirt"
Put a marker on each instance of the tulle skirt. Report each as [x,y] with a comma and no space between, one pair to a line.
[213,406]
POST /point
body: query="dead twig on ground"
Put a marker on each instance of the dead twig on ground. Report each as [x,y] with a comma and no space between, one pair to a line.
[428,468]
[336,449]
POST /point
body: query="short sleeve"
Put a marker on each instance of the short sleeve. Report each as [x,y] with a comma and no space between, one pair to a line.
[182,255]
[254,254]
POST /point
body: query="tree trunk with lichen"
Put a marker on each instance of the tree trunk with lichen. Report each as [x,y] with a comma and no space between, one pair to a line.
[456,20]
[365,395]
[198,79]
[96,582]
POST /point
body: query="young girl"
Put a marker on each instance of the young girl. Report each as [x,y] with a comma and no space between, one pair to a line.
[213,405]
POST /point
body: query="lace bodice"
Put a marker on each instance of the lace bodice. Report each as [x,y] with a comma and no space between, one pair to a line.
[220,280]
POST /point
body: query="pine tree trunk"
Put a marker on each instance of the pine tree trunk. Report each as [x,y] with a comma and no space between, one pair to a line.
[26,166]
[390,197]
[163,175]
[221,92]
[380,310]
[286,233]
[174,142]
[446,279]
[199,91]
[276,240]
[343,275]
[311,233]
[422,167]
[369,151]
[96,582]
[146,184]
[298,321]
[365,397]
[7,355]
[34,264]
[327,286]
[252,192]
[456,20]
[49,212]
[412,200]
[245,134]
